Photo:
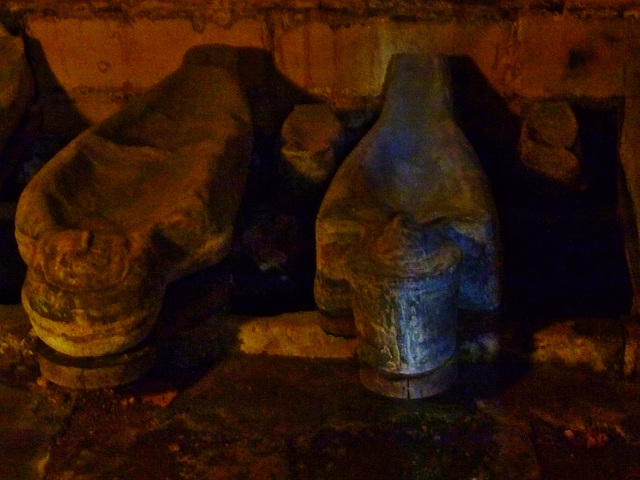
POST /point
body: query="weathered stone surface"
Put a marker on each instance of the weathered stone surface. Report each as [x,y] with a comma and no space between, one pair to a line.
[552,123]
[554,163]
[597,344]
[95,372]
[311,141]
[16,85]
[332,63]
[223,13]
[405,305]
[416,162]
[303,334]
[549,131]
[345,62]
[565,55]
[311,128]
[99,63]
[431,383]
[338,50]
[147,196]
[29,422]
[296,335]
[406,233]
[483,348]
[405,297]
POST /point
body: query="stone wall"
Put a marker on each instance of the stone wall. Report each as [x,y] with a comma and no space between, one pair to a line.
[100,52]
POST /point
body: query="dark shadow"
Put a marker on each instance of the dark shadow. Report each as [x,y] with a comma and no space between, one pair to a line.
[567,249]
[494,131]
[562,245]
[486,380]
[50,123]
[59,117]
[273,256]
[194,330]
[491,128]
[12,268]
[29,146]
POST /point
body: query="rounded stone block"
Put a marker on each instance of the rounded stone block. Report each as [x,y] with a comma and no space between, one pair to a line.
[552,123]
[549,134]
[311,140]
[554,163]
[95,372]
[405,303]
[430,384]
[85,322]
[298,334]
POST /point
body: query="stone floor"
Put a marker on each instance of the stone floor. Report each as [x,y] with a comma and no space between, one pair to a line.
[210,411]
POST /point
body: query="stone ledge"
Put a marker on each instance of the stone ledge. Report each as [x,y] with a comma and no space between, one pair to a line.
[600,345]
[300,334]
[294,335]
[597,344]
